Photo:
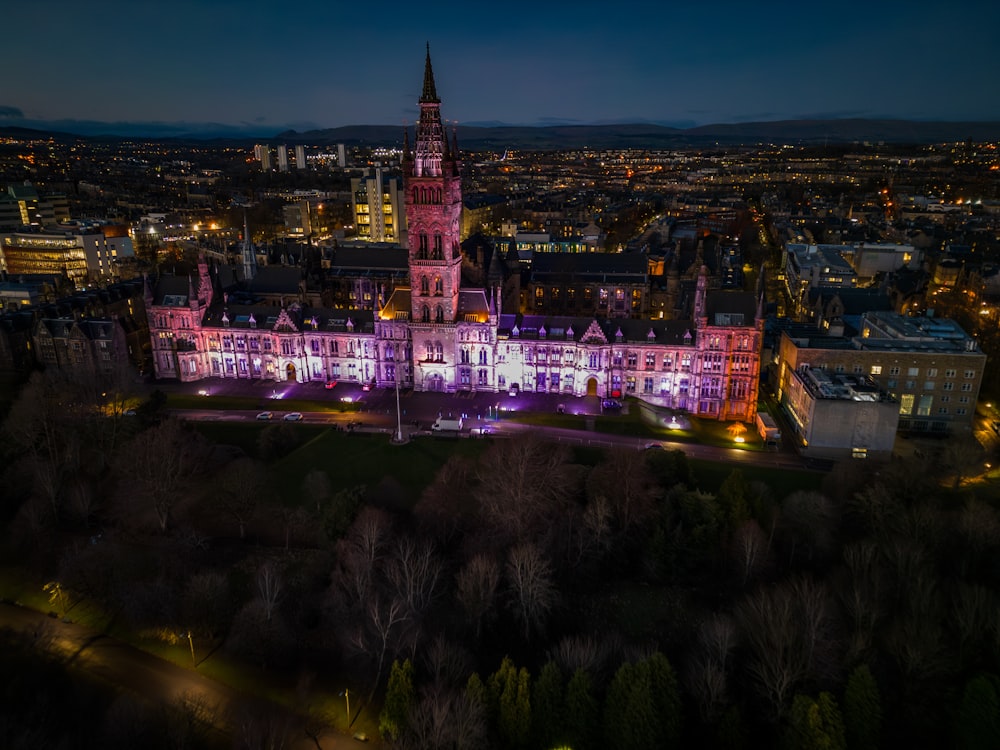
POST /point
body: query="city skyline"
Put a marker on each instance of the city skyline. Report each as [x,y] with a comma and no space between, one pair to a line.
[259,68]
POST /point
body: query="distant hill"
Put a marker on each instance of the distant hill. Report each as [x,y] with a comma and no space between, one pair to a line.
[659,136]
[524,137]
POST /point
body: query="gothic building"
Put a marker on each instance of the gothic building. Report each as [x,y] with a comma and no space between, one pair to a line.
[435,335]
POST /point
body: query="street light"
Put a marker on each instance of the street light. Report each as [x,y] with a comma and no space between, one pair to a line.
[347,697]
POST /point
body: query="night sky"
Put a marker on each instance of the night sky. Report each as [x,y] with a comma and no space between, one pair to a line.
[265,66]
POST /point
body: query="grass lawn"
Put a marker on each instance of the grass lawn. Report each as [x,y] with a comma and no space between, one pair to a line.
[711,475]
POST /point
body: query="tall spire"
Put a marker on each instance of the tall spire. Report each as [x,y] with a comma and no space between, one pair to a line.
[429,94]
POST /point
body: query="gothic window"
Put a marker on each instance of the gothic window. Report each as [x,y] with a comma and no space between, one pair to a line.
[439,314]
[389,352]
[334,347]
[425,314]
[423,247]
[483,377]
[482,357]
[465,356]
[438,286]
[424,286]
[595,360]
[437,247]
[439,352]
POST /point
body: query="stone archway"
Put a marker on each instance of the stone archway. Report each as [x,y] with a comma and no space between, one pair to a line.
[290,371]
[592,387]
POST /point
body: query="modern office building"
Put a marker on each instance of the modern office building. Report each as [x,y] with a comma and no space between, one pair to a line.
[930,367]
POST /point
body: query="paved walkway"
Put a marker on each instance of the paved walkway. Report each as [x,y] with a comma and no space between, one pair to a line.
[158,680]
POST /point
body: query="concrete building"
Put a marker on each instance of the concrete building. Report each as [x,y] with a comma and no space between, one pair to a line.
[808,267]
[838,416]
[300,157]
[930,367]
[282,158]
[262,152]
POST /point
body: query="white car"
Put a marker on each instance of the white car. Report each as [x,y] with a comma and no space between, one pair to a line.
[293,416]
[265,416]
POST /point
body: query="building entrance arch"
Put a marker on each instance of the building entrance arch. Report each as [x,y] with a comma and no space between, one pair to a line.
[435,382]
[290,371]
[592,386]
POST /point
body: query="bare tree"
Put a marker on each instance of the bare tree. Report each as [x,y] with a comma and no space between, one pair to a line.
[523,483]
[383,631]
[159,465]
[270,588]
[532,592]
[748,548]
[786,629]
[360,553]
[316,487]
[414,571]
[707,674]
[625,479]
[446,719]
[240,490]
[477,586]
[862,595]
[809,522]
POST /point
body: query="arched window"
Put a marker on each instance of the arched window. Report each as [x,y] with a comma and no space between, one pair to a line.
[423,247]
[424,287]
[437,247]
[437,195]
[438,352]
[438,286]
[426,314]
[482,357]
[439,314]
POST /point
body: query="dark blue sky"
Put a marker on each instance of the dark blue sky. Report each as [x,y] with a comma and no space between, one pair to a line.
[267,66]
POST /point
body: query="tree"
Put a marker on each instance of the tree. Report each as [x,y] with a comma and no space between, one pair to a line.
[240,490]
[630,721]
[316,487]
[666,700]
[862,710]
[748,549]
[707,675]
[414,572]
[732,499]
[159,465]
[532,592]
[270,588]
[625,479]
[400,697]
[477,588]
[523,484]
[514,716]
[547,702]
[580,717]
[787,631]
[809,522]
[977,725]
[815,725]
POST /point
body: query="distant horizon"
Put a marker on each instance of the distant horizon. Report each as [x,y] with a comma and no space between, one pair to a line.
[211,130]
[261,68]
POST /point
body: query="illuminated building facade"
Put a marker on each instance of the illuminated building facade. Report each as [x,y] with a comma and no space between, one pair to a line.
[435,335]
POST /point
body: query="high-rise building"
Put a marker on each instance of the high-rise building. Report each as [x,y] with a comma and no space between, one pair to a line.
[262,153]
[379,213]
[300,157]
[341,155]
[282,158]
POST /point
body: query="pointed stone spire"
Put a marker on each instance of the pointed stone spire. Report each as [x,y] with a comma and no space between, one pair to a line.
[429,94]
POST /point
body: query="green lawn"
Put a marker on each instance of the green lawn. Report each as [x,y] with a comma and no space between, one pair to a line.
[711,474]
[248,403]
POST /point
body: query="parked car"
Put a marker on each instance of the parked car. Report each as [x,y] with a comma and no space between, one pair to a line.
[513,390]
[610,403]
[265,416]
[293,416]
[368,385]
[330,385]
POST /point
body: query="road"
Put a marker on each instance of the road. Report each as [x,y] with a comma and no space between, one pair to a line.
[158,680]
